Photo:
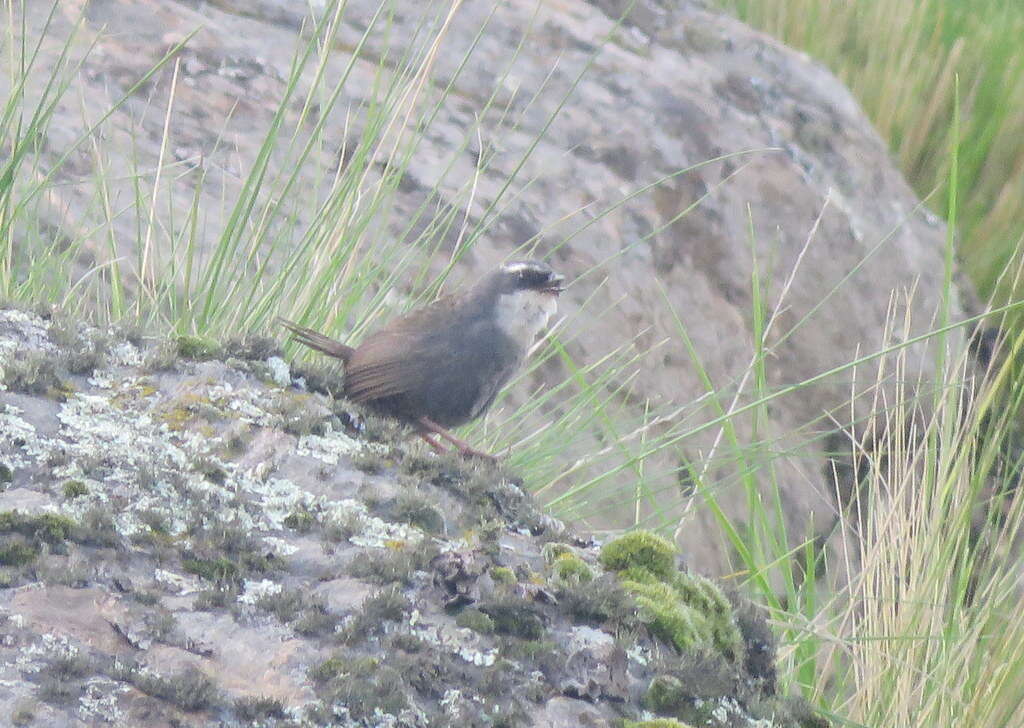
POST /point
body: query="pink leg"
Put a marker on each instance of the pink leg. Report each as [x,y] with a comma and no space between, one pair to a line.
[431,441]
[462,446]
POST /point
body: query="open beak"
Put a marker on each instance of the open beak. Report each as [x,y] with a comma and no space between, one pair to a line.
[554,284]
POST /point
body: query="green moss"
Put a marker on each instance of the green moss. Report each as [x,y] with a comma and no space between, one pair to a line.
[252,347]
[475,620]
[571,569]
[6,475]
[706,597]
[361,684]
[17,553]
[97,529]
[35,373]
[691,612]
[503,575]
[683,610]
[552,552]
[418,511]
[670,620]
[220,597]
[515,618]
[301,519]
[191,689]
[395,566]
[47,527]
[220,569]
[226,554]
[286,604]
[197,347]
[387,605]
[179,413]
[666,695]
[640,549]
[331,668]
[315,621]
[62,678]
[259,709]
[74,488]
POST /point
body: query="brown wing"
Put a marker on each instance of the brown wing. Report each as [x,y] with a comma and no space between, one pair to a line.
[391,361]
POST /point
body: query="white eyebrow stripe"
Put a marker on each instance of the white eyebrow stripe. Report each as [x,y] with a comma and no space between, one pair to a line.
[516,267]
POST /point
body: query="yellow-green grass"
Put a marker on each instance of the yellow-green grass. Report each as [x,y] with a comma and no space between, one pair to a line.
[901,58]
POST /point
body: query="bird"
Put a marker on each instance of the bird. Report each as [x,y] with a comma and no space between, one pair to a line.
[442,365]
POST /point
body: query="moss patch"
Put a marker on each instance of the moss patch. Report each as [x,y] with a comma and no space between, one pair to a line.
[684,610]
[302,519]
[220,569]
[259,709]
[226,554]
[666,694]
[23,536]
[191,689]
[389,567]
[515,618]
[47,527]
[197,347]
[360,684]
[640,550]
[475,620]
[571,569]
[503,575]
[74,489]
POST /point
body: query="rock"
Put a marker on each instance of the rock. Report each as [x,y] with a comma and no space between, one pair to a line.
[773,145]
[192,578]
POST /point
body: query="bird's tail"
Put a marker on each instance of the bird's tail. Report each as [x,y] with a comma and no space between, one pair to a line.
[316,340]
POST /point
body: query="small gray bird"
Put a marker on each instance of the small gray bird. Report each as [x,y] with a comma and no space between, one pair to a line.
[442,365]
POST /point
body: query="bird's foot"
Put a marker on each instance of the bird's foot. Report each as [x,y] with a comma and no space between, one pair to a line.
[467,451]
[428,426]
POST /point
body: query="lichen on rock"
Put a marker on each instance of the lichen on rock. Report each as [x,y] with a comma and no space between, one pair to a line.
[170,543]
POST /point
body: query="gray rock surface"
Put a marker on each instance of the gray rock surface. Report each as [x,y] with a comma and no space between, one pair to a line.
[675,87]
[186,542]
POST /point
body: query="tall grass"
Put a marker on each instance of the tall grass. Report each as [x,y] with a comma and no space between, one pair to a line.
[910,615]
[900,59]
[896,630]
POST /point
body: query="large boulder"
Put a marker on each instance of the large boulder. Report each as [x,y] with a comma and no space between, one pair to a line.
[785,177]
[190,537]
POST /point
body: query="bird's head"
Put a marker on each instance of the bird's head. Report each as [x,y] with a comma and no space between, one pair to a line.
[524,295]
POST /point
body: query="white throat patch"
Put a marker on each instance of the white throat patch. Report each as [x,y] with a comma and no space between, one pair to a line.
[524,314]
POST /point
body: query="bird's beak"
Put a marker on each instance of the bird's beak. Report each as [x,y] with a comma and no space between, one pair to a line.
[554,284]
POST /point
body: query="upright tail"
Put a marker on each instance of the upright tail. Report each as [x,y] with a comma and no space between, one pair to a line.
[316,340]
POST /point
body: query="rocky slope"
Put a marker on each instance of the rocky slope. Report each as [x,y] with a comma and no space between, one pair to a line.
[190,536]
[674,87]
